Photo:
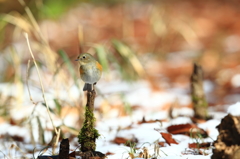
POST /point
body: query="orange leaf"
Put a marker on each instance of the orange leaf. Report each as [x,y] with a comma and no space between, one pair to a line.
[201,145]
[161,144]
[187,129]
[180,129]
[121,140]
[168,138]
[109,153]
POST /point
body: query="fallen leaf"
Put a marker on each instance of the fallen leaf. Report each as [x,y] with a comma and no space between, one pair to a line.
[168,138]
[109,153]
[121,140]
[199,145]
[17,138]
[72,154]
[161,144]
[187,129]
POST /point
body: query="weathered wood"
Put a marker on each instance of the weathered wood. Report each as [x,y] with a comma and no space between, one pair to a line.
[48,157]
[227,145]
[91,155]
[198,97]
[88,134]
[64,149]
[90,100]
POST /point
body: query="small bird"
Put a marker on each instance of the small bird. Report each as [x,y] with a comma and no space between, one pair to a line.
[90,70]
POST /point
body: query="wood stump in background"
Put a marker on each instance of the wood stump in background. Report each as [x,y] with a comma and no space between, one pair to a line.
[198,96]
[227,145]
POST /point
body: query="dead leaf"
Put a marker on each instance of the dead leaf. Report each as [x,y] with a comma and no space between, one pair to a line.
[168,138]
[17,138]
[121,140]
[199,145]
[72,154]
[180,129]
[162,144]
[109,153]
[187,129]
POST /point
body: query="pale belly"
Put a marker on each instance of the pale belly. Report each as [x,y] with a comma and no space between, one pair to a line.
[91,76]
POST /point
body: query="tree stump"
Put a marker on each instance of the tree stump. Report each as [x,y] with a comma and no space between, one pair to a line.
[88,134]
[198,96]
[64,149]
[227,145]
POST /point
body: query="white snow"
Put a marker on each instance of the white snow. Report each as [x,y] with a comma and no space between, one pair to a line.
[234,109]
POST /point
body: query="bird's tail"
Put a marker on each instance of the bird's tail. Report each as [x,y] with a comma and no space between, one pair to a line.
[88,87]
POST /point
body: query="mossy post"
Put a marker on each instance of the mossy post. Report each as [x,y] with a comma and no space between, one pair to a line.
[198,97]
[88,134]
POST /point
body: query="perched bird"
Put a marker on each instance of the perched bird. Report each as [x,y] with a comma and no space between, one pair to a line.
[90,70]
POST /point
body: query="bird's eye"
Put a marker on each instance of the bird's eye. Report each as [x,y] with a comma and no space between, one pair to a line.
[84,57]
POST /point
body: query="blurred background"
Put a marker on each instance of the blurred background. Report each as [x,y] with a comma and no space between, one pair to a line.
[147,50]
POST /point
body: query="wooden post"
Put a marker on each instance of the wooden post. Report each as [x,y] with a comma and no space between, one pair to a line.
[198,97]
[88,134]
[64,149]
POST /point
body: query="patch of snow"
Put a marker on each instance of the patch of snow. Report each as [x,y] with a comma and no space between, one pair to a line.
[208,86]
[180,120]
[234,109]
[210,127]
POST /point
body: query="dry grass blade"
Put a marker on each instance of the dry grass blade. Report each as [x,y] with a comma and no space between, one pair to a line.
[41,131]
[32,19]
[69,65]
[57,131]
[17,77]
[128,54]
[102,56]
[29,93]
[18,21]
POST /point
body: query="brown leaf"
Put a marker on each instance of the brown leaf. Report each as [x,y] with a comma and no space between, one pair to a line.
[17,138]
[168,138]
[161,144]
[180,129]
[109,153]
[72,154]
[187,129]
[121,140]
[199,145]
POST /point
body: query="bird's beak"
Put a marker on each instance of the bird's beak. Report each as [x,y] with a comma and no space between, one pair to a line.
[77,60]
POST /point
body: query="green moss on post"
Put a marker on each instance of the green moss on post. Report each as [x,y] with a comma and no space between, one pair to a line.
[198,97]
[88,134]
